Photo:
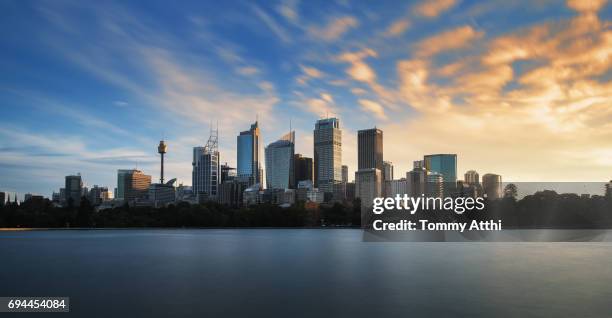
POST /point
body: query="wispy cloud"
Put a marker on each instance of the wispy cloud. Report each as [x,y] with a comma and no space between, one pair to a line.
[433,8]
[272,24]
[334,29]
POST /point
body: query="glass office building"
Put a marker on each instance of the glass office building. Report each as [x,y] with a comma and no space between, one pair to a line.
[446,166]
[280,162]
[249,166]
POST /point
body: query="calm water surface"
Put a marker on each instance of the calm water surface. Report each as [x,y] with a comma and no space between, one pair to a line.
[302,273]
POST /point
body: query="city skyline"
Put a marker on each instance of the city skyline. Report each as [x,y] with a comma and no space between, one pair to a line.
[519,97]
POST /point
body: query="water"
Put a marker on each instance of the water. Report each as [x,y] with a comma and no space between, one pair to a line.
[302,273]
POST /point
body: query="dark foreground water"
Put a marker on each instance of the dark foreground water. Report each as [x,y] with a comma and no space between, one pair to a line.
[295,272]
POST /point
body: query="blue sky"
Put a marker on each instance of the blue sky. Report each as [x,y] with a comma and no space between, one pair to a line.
[519,88]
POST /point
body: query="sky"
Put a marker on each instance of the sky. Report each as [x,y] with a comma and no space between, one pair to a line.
[518,88]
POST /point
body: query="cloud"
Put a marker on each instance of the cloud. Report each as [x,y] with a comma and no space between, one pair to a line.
[120,103]
[555,111]
[397,28]
[359,70]
[311,71]
[272,25]
[247,70]
[448,40]
[334,29]
[321,106]
[373,107]
[288,9]
[586,6]
[433,8]
[308,72]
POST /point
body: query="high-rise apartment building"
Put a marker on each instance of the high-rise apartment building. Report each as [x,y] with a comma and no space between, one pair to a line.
[206,172]
[280,163]
[328,154]
[370,149]
[248,159]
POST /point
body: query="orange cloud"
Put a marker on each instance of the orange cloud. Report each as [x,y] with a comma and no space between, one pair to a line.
[448,40]
[373,107]
[433,8]
[397,28]
[557,112]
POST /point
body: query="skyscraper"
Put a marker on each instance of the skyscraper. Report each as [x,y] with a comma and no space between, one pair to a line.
[74,189]
[280,162]
[368,185]
[472,178]
[328,154]
[370,149]
[303,169]
[249,166]
[368,177]
[417,179]
[435,185]
[206,169]
[134,184]
[344,174]
[387,171]
[492,185]
[444,164]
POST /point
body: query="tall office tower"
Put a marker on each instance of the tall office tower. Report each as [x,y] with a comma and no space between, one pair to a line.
[121,175]
[74,189]
[435,185]
[472,178]
[492,185]
[134,184]
[370,149]
[249,165]
[303,169]
[227,173]
[417,179]
[387,171]
[206,171]
[344,174]
[328,154]
[444,164]
[2,198]
[280,162]
[368,185]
